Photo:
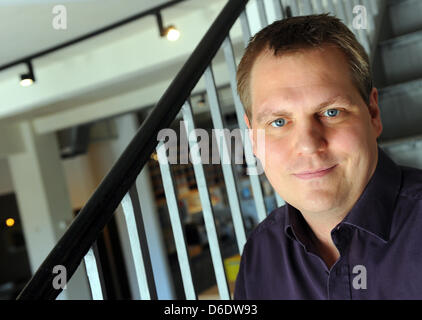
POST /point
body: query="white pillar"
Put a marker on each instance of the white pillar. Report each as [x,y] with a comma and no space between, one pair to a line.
[43,201]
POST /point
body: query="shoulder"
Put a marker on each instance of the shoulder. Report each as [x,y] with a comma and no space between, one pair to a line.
[411,183]
[272,225]
[275,218]
[408,208]
[266,241]
[407,220]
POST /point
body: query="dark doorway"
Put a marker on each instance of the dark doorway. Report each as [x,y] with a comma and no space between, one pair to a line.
[15,269]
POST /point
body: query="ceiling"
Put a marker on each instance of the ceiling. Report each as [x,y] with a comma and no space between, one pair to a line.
[31,22]
[31,31]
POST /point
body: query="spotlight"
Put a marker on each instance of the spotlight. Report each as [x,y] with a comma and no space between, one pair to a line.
[10,222]
[28,79]
[170,32]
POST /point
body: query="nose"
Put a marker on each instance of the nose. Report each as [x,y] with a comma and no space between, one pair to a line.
[309,137]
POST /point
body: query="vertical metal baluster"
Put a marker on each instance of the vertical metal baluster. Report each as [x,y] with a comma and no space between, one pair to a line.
[262,14]
[341,12]
[374,6]
[348,8]
[284,6]
[227,167]
[138,244]
[368,6]
[95,273]
[206,204]
[307,7]
[319,6]
[278,9]
[331,7]
[361,33]
[371,19]
[294,6]
[240,112]
[176,224]
[246,30]
[280,201]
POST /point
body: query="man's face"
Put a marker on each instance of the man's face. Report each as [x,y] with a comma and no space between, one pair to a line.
[314,119]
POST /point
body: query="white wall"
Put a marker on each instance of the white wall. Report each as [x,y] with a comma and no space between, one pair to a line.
[80,180]
[6,185]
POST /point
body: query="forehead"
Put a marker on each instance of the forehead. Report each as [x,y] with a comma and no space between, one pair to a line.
[327,60]
[302,77]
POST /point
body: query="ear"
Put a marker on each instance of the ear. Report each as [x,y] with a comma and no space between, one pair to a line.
[245,117]
[374,112]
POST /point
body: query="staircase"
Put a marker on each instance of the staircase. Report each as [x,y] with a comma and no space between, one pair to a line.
[118,187]
[398,71]
[398,76]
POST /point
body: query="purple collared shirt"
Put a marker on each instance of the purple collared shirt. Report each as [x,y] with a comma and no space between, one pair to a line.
[380,245]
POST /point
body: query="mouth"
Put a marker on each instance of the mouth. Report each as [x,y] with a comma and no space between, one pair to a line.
[314,174]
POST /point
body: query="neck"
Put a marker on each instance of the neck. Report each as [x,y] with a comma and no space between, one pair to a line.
[321,225]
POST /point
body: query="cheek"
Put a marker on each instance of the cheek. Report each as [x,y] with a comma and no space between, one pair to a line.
[345,140]
[274,153]
[353,148]
[351,140]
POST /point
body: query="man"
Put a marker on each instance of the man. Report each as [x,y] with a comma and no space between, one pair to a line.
[352,224]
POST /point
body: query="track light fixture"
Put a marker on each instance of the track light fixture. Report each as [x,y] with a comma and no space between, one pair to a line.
[170,32]
[28,79]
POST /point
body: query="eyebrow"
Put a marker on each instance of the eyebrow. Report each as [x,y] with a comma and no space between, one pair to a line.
[261,116]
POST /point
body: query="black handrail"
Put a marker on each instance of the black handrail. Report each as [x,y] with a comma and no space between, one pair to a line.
[96,213]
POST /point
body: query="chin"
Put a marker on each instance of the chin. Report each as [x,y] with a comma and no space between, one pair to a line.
[314,203]
[316,207]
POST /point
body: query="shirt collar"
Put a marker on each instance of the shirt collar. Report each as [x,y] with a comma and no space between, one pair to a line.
[373,212]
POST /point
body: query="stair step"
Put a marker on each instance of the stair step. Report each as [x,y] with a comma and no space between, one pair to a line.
[405,16]
[402,57]
[401,110]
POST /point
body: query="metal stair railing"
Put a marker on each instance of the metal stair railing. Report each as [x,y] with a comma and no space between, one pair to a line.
[86,227]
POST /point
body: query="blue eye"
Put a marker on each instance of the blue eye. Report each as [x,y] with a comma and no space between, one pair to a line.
[278,123]
[332,113]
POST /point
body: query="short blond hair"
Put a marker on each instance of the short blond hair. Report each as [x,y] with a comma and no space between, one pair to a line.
[305,32]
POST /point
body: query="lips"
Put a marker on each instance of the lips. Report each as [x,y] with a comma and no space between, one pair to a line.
[314,174]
